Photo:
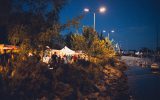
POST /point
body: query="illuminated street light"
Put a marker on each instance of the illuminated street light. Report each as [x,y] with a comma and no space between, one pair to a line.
[104,31]
[112,31]
[100,10]
[86,10]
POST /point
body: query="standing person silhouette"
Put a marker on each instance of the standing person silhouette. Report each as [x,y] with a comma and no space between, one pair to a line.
[4,59]
[54,58]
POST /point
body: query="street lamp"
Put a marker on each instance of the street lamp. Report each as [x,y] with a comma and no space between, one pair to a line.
[86,10]
[104,31]
[100,10]
[112,31]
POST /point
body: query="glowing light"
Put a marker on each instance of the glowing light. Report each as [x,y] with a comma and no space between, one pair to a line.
[102,9]
[112,31]
[104,31]
[86,10]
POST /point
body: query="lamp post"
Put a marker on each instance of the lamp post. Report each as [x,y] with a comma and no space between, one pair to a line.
[100,10]
[112,31]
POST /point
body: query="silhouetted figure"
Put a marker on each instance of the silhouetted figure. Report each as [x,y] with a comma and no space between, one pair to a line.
[62,60]
[59,59]
[10,63]
[38,57]
[4,59]
[75,58]
[54,58]
[68,58]
[65,59]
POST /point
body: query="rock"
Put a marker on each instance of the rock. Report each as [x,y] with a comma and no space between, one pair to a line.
[112,71]
[63,90]
[116,82]
[101,88]
[93,95]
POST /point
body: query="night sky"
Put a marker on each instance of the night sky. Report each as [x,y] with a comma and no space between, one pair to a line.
[135,21]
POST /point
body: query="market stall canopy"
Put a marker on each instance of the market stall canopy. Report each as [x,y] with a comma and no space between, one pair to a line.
[67,51]
[8,47]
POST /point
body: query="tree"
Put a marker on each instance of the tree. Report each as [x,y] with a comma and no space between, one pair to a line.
[109,44]
[94,47]
[74,23]
[68,39]
[26,46]
[53,15]
[89,35]
[50,9]
[101,36]
[78,42]
[51,37]
[38,15]
[17,34]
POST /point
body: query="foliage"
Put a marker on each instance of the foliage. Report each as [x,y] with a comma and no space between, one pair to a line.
[37,17]
[101,36]
[36,7]
[31,79]
[78,42]
[68,39]
[17,34]
[26,47]
[51,37]
[74,23]
[96,48]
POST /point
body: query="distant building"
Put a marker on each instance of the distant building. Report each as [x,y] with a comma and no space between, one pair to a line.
[128,52]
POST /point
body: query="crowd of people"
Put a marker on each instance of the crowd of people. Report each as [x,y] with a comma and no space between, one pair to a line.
[6,62]
[6,59]
[55,59]
[63,59]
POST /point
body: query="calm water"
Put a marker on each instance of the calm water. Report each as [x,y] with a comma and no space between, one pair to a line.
[144,84]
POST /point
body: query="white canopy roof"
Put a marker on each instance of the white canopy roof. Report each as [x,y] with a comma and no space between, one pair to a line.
[67,51]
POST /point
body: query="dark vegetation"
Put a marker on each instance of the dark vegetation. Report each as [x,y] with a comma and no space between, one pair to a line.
[31,80]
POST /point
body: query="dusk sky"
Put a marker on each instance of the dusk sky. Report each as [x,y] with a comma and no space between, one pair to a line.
[134,21]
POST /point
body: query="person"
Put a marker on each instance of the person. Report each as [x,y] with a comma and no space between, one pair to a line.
[54,58]
[38,57]
[62,60]
[75,58]
[65,59]
[4,59]
[68,58]
[59,59]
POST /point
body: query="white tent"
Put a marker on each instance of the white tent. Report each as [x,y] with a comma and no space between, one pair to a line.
[67,51]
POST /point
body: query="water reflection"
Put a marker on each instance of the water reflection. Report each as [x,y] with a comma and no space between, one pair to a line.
[157,72]
[144,83]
